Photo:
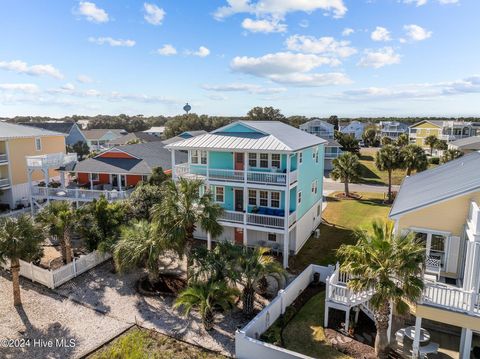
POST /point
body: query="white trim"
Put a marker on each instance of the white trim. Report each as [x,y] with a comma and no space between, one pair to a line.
[269,198]
[223,194]
[114,149]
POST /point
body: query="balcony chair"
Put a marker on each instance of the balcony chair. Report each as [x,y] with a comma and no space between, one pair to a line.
[430,348]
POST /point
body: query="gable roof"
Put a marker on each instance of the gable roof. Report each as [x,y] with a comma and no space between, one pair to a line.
[452,179]
[10,130]
[147,157]
[470,143]
[142,136]
[63,127]
[438,123]
[317,121]
[271,136]
[98,133]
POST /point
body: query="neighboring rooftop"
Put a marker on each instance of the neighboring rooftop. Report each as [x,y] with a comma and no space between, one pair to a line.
[470,143]
[272,136]
[156,129]
[98,133]
[454,178]
[142,136]
[183,136]
[10,130]
[63,127]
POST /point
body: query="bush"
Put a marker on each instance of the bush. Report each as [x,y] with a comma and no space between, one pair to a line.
[434,160]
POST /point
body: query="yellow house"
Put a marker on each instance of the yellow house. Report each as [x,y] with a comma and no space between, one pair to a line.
[441,207]
[16,143]
[443,130]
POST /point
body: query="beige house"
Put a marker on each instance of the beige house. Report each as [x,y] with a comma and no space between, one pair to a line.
[16,143]
[441,206]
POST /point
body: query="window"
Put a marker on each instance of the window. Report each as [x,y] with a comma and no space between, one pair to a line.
[203,157]
[264,160]
[252,197]
[318,210]
[315,187]
[38,143]
[264,198]
[199,157]
[272,237]
[413,130]
[275,199]
[435,245]
[252,159]
[299,197]
[194,158]
[300,157]
[275,160]
[315,154]
[219,194]
[95,177]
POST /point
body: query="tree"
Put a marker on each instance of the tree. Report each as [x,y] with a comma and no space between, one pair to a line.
[388,264]
[388,159]
[369,136]
[19,239]
[142,199]
[134,141]
[450,155]
[333,120]
[441,145]
[181,210]
[253,265]
[348,142]
[139,246]
[346,168]
[431,142]
[81,149]
[413,158]
[402,140]
[386,141]
[59,217]
[157,177]
[206,297]
[265,114]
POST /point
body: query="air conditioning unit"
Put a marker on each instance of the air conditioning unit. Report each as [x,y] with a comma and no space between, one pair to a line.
[317,233]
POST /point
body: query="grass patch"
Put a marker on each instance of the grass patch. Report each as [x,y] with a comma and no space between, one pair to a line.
[340,218]
[370,174]
[305,333]
[139,343]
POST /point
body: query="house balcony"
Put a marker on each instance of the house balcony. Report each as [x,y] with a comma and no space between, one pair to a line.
[53,160]
[4,182]
[224,175]
[258,220]
[452,298]
[3,158]
[78,194]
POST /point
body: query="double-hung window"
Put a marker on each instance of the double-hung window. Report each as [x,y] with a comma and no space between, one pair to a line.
[314,187]
[220,194]
[300,158]
[272,237]
[252,197]
[264,198]
[194,157]
[275,160]
[199,157]
[252,159]
[275,199]
[38,143]
[264,160]
[299,195]
[95,177]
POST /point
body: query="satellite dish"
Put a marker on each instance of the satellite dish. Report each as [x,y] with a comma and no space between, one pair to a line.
[187,108]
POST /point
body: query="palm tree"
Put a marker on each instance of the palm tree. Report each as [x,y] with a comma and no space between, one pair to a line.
[389,265]
[348,142]
[181,210]
[253,265]
[413,158]
[402,140]
[346,168]
[139,245]
[441,145]
[450,155]
[59,218]
[206,297]
[388,159]
[19,239]
[369,136]
[386,141]
[431,141]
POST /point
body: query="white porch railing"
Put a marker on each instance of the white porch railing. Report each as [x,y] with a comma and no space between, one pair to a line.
[232,216]
[77,194]
[3,157]
[474,218]
[337,290]
[4,182]
[292,218]
[51,160]
[450,298]
[254,219]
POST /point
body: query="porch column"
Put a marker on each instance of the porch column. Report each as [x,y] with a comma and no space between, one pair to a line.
[467,345]
[286,236]
[347,319]
[29,175]
[47,180]
[209,241]
[245,200]
[91,182]
[62,179]
[119,182]
[173,164]
[416,339]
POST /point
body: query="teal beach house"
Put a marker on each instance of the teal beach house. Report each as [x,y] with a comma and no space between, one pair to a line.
[267,176]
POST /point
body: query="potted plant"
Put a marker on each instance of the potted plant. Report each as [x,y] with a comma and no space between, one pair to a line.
[255,209]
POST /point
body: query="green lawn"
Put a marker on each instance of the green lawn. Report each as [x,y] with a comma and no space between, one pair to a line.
[371,175]
[139,343]
[340,218]
[304,333]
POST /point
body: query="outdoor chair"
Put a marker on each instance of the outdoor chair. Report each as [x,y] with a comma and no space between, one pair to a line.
[400,336]
[431,348]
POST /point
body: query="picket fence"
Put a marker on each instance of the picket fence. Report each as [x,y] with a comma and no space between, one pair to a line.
[57,277]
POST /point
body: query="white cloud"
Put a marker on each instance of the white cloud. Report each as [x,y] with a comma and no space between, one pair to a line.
[111,41]
[312,79]
[347,31]
[153,14]
[304,23]
[322,45]
[379,58]
[84,79]
[92,12]
[22,67]
[25,88]
[264,26]
[380,34]
[244,87]
[201,52]
[68,87]
[423,2]
[417,33]
[167,50]
[279,8]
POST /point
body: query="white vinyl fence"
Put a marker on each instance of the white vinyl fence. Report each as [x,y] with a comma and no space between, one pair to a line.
[55,278]
[247,343]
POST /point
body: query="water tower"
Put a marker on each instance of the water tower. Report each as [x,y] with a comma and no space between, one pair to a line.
[187,108]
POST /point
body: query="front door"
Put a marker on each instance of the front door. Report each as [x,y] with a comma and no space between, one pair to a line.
[239,161]
[239,200]
[239,236]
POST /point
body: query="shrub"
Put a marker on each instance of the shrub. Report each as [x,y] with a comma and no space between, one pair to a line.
[434,160]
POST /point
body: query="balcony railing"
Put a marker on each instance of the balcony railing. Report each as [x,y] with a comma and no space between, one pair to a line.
[51,160]
[3,157]
[4,182]
[254,177]
[255,219]
[451,298]
[77,194]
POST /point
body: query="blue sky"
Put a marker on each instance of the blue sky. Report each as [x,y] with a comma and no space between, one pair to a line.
[306,57]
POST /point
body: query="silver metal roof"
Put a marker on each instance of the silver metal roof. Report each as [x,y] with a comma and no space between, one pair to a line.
[271,136]
[452,179]
[10,130]
[472,143]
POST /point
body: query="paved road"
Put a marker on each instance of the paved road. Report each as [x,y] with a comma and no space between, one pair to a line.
[329,185]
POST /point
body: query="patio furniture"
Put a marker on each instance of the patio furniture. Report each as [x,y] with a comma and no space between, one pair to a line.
[400,336]
[276,249]
[61,194]
[424,334]
[431,348]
